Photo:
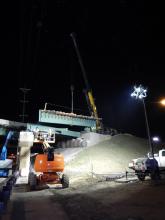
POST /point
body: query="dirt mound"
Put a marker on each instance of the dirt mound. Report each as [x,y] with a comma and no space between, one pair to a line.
[109,156]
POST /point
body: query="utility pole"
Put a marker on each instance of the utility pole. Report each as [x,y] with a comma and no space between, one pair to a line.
[148,130]
[24,102]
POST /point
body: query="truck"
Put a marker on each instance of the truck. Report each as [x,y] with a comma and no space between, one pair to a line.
[152,166]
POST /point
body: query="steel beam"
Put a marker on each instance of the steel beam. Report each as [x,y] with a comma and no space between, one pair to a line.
[57,117]
[60,131]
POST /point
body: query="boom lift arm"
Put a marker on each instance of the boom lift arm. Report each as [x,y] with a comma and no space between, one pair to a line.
[3,155]
[88,91]
[5,163]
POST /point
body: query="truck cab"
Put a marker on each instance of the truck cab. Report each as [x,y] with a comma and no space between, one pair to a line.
[160,157]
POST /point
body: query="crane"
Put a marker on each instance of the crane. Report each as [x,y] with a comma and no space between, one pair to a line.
[88,91]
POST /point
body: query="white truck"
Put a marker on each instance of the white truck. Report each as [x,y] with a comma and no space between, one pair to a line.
[149,166]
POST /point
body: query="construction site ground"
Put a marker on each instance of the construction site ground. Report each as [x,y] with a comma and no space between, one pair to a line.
[89,199]
[90,196]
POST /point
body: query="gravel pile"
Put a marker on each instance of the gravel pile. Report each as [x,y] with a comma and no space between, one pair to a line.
[109,156]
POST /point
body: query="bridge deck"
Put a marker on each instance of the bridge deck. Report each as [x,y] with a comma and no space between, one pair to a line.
[53,117]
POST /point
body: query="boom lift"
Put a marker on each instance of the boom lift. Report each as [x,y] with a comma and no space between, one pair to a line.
[88,91]
[47,167]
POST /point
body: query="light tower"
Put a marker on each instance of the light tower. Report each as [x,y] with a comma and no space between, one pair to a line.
[141,93]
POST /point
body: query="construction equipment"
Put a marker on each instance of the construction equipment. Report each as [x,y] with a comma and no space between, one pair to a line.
[88,91]
[41,136]
[47,168]
[5,163]
[151,166]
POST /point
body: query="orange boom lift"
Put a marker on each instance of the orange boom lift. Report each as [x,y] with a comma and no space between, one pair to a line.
[47,168]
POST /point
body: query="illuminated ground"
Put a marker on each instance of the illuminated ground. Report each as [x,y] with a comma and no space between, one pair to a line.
[114,201]
[90,200]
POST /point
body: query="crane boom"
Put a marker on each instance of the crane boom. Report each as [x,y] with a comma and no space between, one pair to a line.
[73,36]
[88,91]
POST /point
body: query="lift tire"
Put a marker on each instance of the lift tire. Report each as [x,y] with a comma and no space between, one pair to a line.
[65,181]
[141,176]
[32,181]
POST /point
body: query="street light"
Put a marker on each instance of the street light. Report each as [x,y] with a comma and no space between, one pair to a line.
[156,139]
[141,93]
[162,102]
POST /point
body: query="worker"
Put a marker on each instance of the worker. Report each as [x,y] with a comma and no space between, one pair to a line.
[153,167]
[50,154]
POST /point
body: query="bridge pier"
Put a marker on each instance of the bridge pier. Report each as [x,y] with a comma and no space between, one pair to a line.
[25,143]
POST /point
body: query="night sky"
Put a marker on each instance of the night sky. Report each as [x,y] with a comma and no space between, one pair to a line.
[121,44]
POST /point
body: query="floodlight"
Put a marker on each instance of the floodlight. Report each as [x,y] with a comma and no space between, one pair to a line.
[141,93]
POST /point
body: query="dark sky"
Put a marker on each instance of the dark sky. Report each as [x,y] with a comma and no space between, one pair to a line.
[121,44]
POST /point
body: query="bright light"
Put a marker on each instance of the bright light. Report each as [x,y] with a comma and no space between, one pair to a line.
[162,102]
[139,92]
[156,139]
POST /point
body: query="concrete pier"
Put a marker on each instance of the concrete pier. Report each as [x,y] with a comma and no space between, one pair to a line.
[25,143]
